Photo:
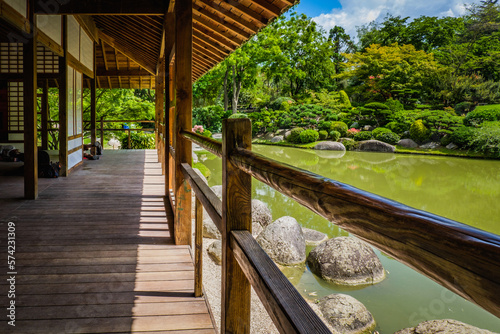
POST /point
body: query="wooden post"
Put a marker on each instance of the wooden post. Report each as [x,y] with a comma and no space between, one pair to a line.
[102,132]
[63,102]
[45,115]
[171,126]
[93,108]
[184,92]
[128,145]
[236,215]
[30,111]
[198,252]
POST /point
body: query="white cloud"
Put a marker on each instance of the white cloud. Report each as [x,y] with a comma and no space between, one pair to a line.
[355,13]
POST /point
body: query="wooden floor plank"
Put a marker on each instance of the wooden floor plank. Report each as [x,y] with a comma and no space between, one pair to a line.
[95,253]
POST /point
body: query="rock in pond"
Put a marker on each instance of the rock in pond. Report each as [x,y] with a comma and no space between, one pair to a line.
[346,261]
[445,326]
[313,237]
[268,136]
[376,146]
[277,139]
[346,314]
[452,146]
[215,251]
[407,143]
[284,241]
[330,145]
[261,213]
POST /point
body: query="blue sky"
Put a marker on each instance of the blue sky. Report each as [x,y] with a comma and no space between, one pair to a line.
[352,13]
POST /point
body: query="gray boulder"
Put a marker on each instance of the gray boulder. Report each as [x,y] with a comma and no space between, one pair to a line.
[431,145]
[346,261]
[268,136]
[217,190]
[368,128]
[210,230]
[445,326]
[195,158]
[407,143]
[376,146]
[284,241]
[313,237]
[281,132]
[330,145]
[277,139]
[451,146]
[261,213]
[287,134]
[346,314]
[215,251]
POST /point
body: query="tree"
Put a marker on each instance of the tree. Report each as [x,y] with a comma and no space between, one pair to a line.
[379,71]
[341,43]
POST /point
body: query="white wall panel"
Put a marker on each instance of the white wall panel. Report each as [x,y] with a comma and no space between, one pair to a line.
[75,158]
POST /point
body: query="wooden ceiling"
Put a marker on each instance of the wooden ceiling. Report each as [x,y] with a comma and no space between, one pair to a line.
[133,42]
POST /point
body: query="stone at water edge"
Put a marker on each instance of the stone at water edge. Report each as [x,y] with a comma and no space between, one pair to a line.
[452,146]
[215,251]
[284,242]
[407,143]
[330,145]
[432,145]
[277,139]
[268,136]
[210,230]
[376,146]
[346,261]
[287,134]
[313,237]
[346,314]
[261,213]
[445,326]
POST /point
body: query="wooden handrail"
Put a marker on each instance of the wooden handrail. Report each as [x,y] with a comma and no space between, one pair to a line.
[286,307]
[209,144]
[459,257]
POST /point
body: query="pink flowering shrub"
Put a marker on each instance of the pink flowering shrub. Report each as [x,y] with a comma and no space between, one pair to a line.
[351,132]
[198,129]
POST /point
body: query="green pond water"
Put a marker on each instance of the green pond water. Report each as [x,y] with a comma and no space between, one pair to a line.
[465,190]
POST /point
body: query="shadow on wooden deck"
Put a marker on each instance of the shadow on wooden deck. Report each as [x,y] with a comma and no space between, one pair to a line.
[95,254]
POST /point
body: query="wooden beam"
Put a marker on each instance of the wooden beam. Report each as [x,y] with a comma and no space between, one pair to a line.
[93,106]
[223,11]
[77,65]
[268,7]
[184,92]
[103,47]
[101,72]
[49,43]
[30,105]
[126,51]
[88,24]
[63,102]
[226,24]
[102,7]
[236,215]
[169,38]
[45,115]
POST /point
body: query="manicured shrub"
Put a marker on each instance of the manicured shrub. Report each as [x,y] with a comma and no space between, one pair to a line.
[341,127]
[278,102]
[388,137]
[352,132]
[308,136]
[238,115]
[418,131]
[479,115]
[323,135]
[464,107]
[363,135]
[295,135]
[344,99]
[325,125]
[379,131]
[462,136]
[487,139]
[138,141]
[335,135]
[350,145]
[207,133]
[396,127]
[446,140]
[210,117]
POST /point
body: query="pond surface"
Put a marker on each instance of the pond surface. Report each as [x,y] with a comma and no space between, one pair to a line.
[465,190]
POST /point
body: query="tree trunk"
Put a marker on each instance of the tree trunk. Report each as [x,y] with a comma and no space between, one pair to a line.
[226,99]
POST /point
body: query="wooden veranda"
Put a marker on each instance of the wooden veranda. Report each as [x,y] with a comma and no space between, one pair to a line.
[95,254]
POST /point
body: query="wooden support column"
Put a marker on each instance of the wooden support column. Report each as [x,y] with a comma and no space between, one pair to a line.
[63,102]
[236,215]
[30,111]
[184,91]
[169,95]
[93,107]
[45,115]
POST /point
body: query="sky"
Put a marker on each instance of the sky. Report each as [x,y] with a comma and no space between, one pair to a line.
[351,13]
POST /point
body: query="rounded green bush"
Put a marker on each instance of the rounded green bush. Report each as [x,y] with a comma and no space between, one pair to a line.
[350,145]
[379,131]
[446,140]
[295,135]
[335,135]
[388,137]
[325,125]
[396,127]
[341,127]
[478,116]
[418,131]
[464,107]
[323,135]
[363,135]
[462,136]
[308,136]
[207,133]
[238,115]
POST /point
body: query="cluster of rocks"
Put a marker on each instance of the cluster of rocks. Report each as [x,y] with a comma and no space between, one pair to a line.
[408,143]
[344,261]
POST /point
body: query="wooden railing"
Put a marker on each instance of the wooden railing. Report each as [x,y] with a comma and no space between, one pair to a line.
[461,258]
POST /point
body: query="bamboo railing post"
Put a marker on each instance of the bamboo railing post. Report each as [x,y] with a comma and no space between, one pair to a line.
[236,215]
[198,252]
